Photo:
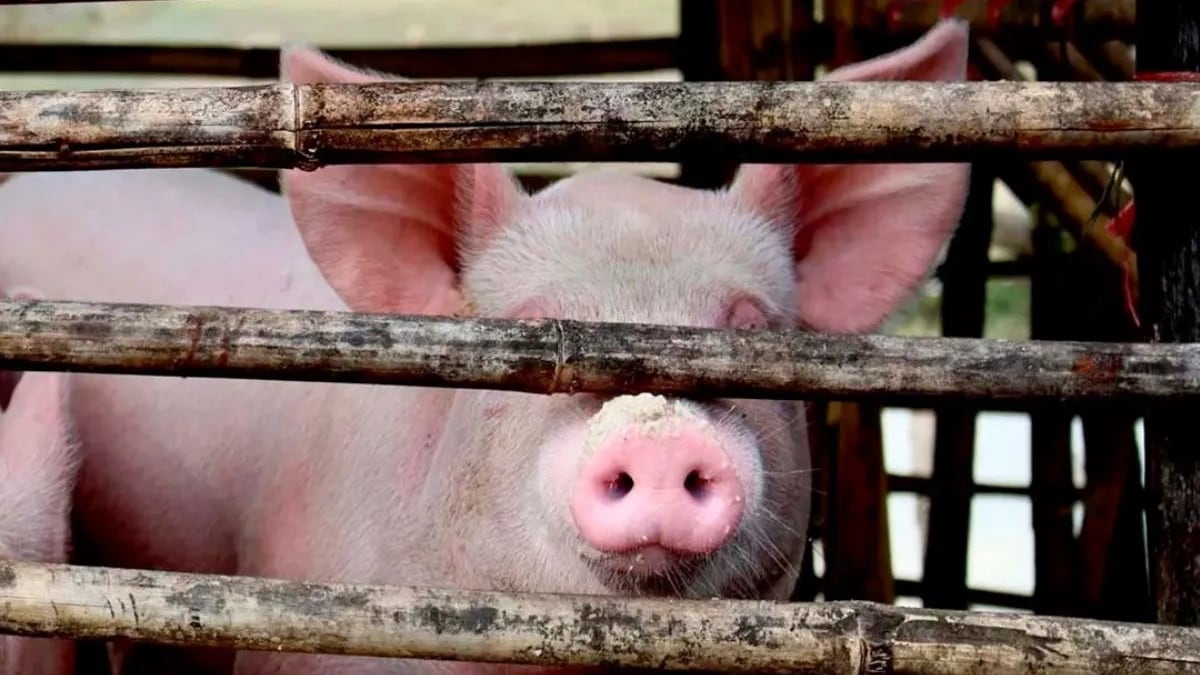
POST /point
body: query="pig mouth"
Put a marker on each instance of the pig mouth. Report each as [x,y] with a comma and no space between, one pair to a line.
[649,570]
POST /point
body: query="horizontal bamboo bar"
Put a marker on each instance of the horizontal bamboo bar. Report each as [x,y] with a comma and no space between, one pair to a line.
[307,126]
[550,356]
[560,630]
[530,60]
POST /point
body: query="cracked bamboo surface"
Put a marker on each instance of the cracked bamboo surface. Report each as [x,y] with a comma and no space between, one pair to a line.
[722,635]
[557,356]
[307,126]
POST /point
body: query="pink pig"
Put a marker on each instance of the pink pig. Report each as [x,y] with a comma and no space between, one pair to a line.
[38,464]
[640,495]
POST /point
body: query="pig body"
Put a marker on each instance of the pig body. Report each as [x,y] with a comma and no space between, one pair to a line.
[174,472]
[346,482]
[470,489]
[38,464]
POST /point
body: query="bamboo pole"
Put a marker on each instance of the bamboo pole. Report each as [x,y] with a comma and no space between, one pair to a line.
[558,630]
[1113,57]
[1052,183]
[1166,235]
[1073,202]
[1069,62]
[307,126]
[549,356]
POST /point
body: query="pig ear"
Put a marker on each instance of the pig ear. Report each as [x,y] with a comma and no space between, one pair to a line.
[866,234]
[300,64]
[389,238]
[38,464]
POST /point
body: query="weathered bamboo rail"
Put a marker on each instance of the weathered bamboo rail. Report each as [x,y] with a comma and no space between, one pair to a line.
[542,629]
[1056,184]
[570,356]
[312,125]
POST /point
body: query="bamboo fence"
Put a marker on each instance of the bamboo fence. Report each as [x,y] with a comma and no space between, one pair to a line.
[307,126]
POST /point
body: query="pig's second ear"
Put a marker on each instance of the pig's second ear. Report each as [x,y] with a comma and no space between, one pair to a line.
[388,237]
[299,64]
[866,235]
[938,55]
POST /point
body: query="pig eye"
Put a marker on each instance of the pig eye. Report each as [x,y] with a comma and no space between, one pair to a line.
[745,314]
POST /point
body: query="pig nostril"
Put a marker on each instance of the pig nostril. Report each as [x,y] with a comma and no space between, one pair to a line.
[621,486]
[696,486]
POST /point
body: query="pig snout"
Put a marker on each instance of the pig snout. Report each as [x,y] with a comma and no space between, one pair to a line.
[679,491]
[656,475]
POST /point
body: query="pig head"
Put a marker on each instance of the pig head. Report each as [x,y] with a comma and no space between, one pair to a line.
[635,494]
[38,464]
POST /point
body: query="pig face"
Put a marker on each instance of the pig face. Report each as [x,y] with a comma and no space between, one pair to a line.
[641,493]
[633,494]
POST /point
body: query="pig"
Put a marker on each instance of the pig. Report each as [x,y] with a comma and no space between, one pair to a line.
[638,494]
[38,465]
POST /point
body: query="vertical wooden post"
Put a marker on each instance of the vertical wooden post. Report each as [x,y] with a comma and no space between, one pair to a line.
[964,278]
[741,40]
[1055,550]
[1080,296]
[757,40]
[1166,237]
[857,547]
[1056,558]
[855,534]
[700,61]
